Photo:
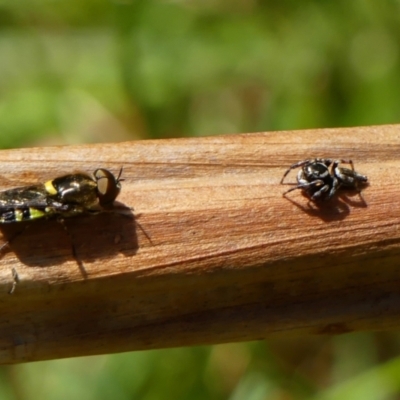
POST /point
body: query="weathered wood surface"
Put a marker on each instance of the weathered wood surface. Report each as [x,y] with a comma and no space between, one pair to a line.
[213,253]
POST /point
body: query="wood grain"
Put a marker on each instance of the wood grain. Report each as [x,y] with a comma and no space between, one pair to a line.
[212,252]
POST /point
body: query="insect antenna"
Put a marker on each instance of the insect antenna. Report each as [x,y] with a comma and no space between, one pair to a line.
[119,179]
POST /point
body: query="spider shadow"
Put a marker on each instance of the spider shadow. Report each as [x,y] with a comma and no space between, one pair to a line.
[85,239]
[335,209]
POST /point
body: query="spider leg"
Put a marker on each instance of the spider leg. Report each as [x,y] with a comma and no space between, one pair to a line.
[305,185]
[342,161]
[360,179]
[348,162]
[326,161]
[335,170]
[335,186]
[352,180]
[294,166]
[317,195]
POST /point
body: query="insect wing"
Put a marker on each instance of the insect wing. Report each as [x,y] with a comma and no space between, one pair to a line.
[23,204]
[65,196]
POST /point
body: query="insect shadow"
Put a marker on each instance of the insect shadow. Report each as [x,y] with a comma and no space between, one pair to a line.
[87,238]
[336,209]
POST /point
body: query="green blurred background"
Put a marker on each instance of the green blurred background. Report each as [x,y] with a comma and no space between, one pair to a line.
[80,71]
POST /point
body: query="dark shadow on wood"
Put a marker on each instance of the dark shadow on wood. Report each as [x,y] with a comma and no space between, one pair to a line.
[87,238]
[335,209]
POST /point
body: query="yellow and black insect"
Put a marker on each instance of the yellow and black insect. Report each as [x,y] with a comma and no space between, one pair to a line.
[66,196]
[62,197]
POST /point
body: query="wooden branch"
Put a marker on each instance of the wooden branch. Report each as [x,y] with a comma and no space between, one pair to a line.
[214,253]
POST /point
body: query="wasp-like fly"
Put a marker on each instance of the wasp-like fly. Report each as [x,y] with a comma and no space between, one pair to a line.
[63,197]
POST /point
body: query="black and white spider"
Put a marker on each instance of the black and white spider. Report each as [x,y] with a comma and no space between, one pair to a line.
[321,178]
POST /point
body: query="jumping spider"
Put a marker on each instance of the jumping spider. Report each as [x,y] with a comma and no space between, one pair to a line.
[321,182]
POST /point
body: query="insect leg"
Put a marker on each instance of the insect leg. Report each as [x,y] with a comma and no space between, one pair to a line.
[15,280]
[73,249]
[14,272]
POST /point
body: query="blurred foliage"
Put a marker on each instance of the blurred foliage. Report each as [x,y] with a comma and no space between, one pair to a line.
[75,71]
[91,70]
[357,366]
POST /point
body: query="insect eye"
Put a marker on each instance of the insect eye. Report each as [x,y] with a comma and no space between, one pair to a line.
[103,181]
[108,187]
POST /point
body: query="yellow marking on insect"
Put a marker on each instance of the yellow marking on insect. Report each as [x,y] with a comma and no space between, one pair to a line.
[35,213]
[18,215]
[50,189]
